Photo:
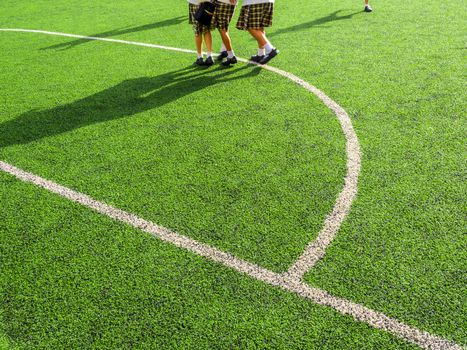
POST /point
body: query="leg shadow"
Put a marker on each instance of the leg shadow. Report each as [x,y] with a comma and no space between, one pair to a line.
[332,17]
[119,31]
[123,100]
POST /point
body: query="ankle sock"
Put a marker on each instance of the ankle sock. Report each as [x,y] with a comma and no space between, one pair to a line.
[268,48]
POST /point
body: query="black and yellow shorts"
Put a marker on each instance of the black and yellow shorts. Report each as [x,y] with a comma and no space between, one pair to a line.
[222,15]
[198,28]
[256,16]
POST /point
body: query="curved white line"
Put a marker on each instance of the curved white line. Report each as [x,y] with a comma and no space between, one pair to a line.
[358,312]
[317,248]
[289,281]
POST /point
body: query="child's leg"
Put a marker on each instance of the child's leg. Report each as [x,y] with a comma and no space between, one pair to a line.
[263,43]
[199,45]
[258,34]
[222,17]
[208,42]
[367,7]
[227,42]
[199,49]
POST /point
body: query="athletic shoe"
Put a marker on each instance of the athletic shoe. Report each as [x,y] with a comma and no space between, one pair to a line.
[208,62]
[229,61]
[222,55]
[274,52]
[199,62]
[256,58]
[368,8]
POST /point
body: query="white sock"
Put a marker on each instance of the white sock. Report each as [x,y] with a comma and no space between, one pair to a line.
[268,48]
[200,55]
[209,54]
[230,54]
[223,48]
[260,52]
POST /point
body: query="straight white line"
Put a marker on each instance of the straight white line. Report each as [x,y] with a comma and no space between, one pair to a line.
[97,38]
[291,280]
[317,248]
[358,312]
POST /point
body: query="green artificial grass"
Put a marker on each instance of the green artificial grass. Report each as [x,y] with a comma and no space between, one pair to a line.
[198,151]
[207,156]
[86,281]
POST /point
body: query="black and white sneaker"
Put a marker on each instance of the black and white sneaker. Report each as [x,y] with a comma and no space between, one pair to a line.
[208,62]
[368,8]
[229,61]
[199,62]
[274,52]
[222,55]
[256,58]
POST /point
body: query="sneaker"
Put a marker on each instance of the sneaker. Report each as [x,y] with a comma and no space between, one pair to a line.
[229,61]
[208,62]
[222,55]
[256,58]
[199,62]
[368,8]
[274,52]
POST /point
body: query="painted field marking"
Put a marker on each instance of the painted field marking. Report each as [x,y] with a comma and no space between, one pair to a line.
[358,312]
[290,281]
[317,248]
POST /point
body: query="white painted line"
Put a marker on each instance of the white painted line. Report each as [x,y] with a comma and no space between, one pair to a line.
[291,280]
[358,312]
[96,38]
[317,248]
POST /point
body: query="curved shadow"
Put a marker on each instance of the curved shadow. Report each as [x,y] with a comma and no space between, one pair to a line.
[123,100]
[332,17]
[119,31]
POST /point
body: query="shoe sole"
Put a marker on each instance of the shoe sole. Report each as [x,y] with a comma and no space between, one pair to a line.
[256,60]
[267,58]
[220,57]
[226,64]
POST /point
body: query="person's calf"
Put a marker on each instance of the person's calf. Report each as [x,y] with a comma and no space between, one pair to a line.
[258,35]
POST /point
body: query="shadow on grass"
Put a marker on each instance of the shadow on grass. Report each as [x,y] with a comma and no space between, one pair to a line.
[120,31]
[314,23]
[123,100]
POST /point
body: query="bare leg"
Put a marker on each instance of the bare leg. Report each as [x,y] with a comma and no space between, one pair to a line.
[208,41]
[367,7]
[199,44]
[226,39]
[259,35]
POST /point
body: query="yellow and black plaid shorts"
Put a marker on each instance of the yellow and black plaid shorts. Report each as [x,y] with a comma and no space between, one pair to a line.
[222,15]
[198,28]
[256,16]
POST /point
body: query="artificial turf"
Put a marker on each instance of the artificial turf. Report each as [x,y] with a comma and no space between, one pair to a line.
[254,178]
[87,282]
[208,156]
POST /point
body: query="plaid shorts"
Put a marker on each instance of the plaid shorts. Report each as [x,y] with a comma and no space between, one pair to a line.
[198,28]
[222,15]
[256,16]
